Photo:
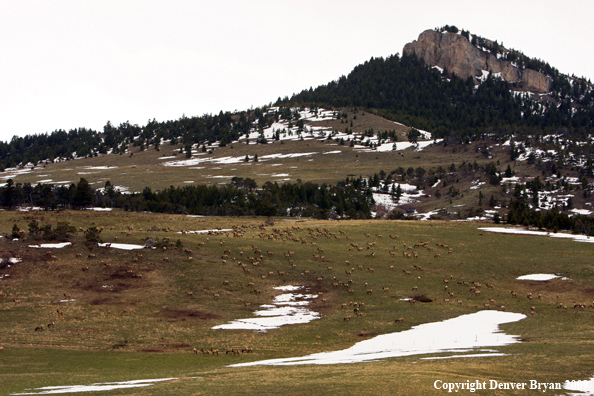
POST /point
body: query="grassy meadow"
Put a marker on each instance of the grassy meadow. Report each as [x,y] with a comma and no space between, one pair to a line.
[139,314]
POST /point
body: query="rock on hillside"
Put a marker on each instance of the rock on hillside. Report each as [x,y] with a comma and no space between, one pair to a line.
[455,53]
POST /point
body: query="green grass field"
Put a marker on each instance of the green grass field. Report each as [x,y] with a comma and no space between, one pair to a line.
[135,319]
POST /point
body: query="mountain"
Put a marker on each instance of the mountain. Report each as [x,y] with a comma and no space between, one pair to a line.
[457,54]
[457,127]
[460,85]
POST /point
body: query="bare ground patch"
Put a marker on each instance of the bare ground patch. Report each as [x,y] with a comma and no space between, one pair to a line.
[181,314]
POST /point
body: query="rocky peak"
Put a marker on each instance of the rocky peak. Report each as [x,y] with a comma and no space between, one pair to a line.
[456,54]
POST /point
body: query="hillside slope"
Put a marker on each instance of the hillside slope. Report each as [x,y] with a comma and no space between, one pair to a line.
[488,143]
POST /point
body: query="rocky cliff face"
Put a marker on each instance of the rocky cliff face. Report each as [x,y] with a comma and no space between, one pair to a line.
[455,53]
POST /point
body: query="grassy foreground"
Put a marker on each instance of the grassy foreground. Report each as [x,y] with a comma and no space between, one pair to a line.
[140,317]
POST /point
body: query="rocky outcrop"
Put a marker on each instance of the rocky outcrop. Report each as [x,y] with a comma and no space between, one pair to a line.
[453,52]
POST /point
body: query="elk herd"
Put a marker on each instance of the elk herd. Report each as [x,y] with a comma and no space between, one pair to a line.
[280,262]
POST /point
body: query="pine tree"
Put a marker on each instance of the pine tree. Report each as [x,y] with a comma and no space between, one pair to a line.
[83,194]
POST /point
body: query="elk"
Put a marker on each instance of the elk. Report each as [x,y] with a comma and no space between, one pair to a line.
[347,318]
[399,320]
[40,328]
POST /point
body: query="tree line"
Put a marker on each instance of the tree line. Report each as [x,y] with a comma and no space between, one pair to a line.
[241,197]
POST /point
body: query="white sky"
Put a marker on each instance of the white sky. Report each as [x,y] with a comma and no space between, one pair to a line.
[79,63]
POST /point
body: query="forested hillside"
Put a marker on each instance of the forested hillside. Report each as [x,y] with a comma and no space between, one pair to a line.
[400,88]
[404,89]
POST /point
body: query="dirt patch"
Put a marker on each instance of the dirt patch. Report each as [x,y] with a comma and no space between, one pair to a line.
[171,313]
[178,345]
[107,301]
[126,274]
[589,290]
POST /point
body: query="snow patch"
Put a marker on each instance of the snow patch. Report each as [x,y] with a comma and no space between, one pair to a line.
[286,309]
[99,387]
[522,231]
[462,334]
[51,245]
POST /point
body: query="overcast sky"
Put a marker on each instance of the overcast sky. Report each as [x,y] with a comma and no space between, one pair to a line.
[79,63]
